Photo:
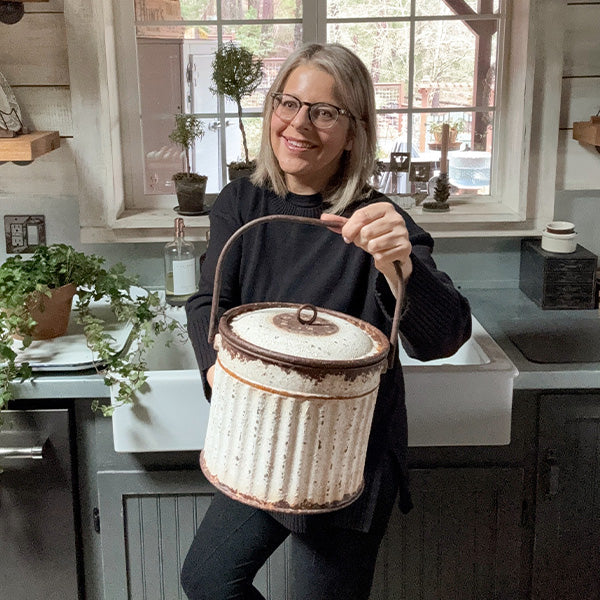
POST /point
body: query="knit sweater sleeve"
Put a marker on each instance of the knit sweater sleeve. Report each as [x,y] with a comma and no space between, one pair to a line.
[436,318]
[224,221]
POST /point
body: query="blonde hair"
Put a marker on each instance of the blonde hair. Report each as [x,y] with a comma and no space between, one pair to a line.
[353,84]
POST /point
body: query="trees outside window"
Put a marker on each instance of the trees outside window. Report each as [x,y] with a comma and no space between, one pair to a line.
[431,61]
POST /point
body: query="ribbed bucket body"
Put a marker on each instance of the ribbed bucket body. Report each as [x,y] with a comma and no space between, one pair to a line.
[286,439]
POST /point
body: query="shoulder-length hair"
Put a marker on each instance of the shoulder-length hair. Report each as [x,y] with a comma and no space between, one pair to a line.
[354,91]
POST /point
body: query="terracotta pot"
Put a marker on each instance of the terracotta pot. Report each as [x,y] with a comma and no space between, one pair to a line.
[292,401]
[51,313]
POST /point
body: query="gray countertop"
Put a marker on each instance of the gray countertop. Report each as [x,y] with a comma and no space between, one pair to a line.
[498,310]
[505,311]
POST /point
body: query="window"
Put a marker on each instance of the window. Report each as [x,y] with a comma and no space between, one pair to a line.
[432,61]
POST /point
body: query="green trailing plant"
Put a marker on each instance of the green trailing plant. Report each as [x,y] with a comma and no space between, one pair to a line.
[236,73]
[54,266]
[188,129]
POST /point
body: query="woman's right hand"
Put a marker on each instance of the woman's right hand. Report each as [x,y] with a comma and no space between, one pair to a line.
[210,375]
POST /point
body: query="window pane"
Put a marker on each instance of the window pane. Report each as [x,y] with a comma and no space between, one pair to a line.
[272,44]
[235,148]
[383,47]
[206,10]
[360,8]
[469,153]
[454,66]
[391,134]
[260,9]
[158,10]
[439,7]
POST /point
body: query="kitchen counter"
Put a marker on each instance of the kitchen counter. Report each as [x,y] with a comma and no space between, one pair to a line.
[498,310]
[505,311]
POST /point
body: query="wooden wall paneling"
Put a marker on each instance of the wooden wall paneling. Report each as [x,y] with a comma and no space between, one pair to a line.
[52,174]
[95,111]
[581,47]
[46,108]
[34,50]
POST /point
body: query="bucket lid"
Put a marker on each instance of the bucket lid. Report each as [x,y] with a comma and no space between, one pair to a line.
[293,331]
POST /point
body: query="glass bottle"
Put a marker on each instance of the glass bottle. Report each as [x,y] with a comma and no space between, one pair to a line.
[181,267]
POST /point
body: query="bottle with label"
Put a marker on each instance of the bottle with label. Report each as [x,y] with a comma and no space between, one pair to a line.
[181,267]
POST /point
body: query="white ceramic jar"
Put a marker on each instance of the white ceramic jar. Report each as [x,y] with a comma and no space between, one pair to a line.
[559,237]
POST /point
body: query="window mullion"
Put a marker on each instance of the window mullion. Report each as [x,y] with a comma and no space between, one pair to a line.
[411,78]
[314,21]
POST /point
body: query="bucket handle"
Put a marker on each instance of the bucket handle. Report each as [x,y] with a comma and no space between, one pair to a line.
[400,293]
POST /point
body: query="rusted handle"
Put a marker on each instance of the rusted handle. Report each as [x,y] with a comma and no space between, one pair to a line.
[212,330]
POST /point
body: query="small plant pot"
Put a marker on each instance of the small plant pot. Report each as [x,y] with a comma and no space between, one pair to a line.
[190,193]
[237,170]
[452,134]
[51,313]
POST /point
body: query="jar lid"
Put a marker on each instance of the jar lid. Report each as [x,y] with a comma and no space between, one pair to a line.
[292,331]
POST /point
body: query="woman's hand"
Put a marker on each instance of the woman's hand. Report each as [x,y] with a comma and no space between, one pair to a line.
[381,231]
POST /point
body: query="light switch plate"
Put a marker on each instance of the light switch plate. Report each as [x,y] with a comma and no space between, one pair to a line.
[24,233]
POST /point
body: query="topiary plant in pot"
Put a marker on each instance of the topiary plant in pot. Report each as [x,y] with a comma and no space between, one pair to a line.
[29,285]
[190,187]
[236,73]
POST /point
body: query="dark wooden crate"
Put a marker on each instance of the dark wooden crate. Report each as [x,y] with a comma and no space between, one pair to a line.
[557,281]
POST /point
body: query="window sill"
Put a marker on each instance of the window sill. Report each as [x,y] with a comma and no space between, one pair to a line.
[463,220]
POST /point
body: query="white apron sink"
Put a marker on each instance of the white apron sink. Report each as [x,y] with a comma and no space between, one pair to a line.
[462,400]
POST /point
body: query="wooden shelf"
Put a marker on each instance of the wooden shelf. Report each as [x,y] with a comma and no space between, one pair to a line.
[587,132]
[29,146]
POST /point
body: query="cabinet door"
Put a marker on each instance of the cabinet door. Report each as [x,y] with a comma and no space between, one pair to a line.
[147,522]
[566,562]
[38,541]
[462,540]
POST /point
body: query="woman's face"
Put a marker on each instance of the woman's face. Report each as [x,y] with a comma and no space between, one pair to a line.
[308,156]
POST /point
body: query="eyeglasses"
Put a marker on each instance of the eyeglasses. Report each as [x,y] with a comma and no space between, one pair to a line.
[320,114]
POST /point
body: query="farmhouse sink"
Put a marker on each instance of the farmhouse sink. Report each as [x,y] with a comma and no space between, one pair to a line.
[462,400]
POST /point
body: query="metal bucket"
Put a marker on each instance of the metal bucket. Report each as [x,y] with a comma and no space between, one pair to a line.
[292,402]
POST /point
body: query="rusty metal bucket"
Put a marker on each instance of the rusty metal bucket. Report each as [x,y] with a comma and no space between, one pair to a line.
[289,425]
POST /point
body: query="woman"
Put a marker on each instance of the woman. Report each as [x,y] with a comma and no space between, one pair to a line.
[317,155]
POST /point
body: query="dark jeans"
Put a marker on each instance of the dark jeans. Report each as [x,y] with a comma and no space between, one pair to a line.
[234,540]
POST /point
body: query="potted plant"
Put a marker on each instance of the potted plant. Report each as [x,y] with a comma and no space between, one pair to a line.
[236,73]
[190,187]
[30,284]
[456,126]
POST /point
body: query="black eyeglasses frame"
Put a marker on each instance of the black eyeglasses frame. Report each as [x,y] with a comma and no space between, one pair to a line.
[341,111]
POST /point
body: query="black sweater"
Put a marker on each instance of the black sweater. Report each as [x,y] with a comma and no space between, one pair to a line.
[290,262]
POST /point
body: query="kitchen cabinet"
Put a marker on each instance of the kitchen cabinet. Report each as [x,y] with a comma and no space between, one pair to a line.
[566,556]
[513,522]
[465,538]
[462,539]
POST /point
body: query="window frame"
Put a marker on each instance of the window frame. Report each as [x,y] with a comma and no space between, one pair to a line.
[104,115]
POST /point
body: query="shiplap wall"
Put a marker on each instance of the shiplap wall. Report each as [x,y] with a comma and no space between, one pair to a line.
[33,58]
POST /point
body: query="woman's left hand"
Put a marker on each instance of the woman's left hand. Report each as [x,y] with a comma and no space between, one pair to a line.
[381,231]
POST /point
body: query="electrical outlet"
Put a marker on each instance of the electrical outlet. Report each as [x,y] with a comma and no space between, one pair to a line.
[24,233]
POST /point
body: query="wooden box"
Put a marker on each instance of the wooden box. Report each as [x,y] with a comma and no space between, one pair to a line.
[557,281]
